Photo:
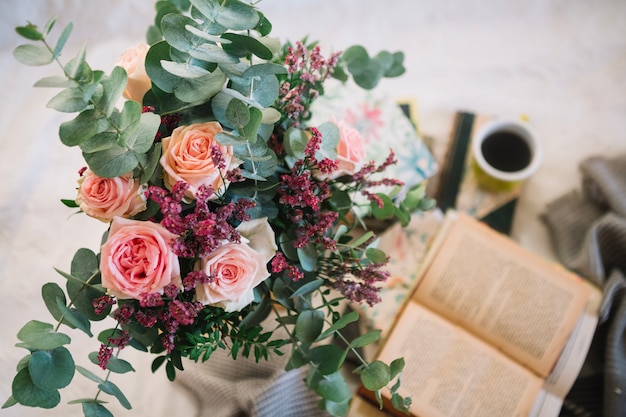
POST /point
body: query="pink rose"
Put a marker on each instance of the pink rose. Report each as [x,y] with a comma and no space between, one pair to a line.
[105,198]
[188,155]
[238,267]
[137,259]
[350,152]
[133,61]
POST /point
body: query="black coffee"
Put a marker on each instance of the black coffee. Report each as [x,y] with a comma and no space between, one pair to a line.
[505,151]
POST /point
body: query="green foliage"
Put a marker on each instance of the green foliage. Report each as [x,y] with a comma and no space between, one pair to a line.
[209,60]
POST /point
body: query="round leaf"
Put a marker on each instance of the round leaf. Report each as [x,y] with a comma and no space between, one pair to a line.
[94,409]
[375,376]
[39,335]
[51,370]
[309,325]
[334,388]
[25,392]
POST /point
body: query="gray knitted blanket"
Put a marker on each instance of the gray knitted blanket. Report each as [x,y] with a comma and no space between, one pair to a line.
[588,230]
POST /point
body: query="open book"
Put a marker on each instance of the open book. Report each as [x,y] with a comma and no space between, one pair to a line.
[491,329]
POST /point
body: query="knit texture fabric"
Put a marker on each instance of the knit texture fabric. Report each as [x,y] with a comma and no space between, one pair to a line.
[224,387]
[588,230]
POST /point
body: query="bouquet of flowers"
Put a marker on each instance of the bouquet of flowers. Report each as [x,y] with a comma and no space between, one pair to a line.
[225,207]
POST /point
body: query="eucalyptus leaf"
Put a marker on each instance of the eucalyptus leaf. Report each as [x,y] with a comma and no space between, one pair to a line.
[328,358]
[384,212]
[89,375]
[95,409]
[99,142]
[25,392]
[243,45]
[396,367]
[10,402]
[142,137]
[265,91]
[29,32]
[204,35]
[308,257]
[75,318]
[228,139]
[175,31]
[197,90]
[55,81]
[342,322]
[251,129]
[375,376]
[33,55]
[212,53]
[237,114]
[51,370]
[264,69]
[365,339]
[309,325]
[84,264]
[73,68]
[113,85]
[111,162]
[40,335]
[82,127]
[233,14]
[62,40]
[183,70]
[69,100]
[376,256]
[334,388]
[308,288]
[50,292]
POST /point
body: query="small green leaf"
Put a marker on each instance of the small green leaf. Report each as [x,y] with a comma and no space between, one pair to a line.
[328,358]
[62,40]
[396,367]
[363,238]
[112,389]
[83,126]
[334,388]
[95,409]
[264,69]
[366,339]
[233,14]
[10,402]
[51,370]
[74,67]
[75,318]
[308,257]
[384,212]
[89,375]
[340,324]
[237,114]
[69,100]
[242,45]
[29,32]
[49,25]
[335,409]
[33,55]
[39,335]
[111,162]
[50,292]
[113,85]
[375,376]
[308,288]
[309,325]
[376,256]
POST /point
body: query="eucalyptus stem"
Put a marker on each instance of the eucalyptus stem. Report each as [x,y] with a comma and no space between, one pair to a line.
[73,300]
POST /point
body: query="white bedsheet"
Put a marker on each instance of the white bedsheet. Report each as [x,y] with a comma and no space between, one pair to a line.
[562,63]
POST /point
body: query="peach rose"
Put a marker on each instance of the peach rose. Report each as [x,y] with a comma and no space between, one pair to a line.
[133,61]
[137,259]
[350,152]
[105,198]
[187,156]
[238,267]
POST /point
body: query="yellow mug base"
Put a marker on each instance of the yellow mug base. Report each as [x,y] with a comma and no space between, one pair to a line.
[490,183]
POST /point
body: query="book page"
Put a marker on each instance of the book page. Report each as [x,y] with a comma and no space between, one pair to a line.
[449,372]
[511,298]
